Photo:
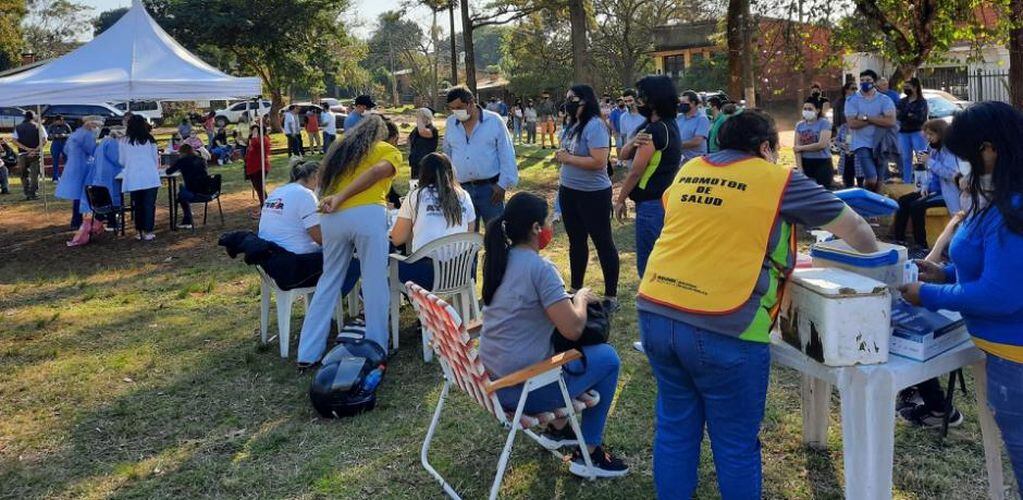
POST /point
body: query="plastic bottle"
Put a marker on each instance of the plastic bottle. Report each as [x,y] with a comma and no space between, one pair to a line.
[373,379]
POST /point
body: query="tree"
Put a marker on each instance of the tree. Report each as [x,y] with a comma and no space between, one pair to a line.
[287,43]
[536,55]
[106,19]
[398,43]
[53,27]
[493,14]
[1016,54]
[579,20]
[12,12]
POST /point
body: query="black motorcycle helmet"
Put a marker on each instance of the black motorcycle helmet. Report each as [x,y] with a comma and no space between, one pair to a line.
[345,384]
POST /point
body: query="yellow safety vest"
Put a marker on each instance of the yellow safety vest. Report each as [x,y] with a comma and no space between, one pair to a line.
[717,225]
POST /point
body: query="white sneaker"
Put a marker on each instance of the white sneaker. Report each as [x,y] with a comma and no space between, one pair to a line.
[148,237]
[637,345]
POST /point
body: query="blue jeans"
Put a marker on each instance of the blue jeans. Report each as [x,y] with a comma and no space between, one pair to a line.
[517,128]
[705,378]
[649,222]
[600,374]
[869,167]
[1005,397]
[57,152]
[328,139]
[481,201]
[185,199]
[909,142]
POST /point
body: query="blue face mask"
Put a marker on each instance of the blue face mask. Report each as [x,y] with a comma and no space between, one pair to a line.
[866,86]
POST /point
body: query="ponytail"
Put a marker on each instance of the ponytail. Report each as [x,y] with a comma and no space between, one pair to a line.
[512,228]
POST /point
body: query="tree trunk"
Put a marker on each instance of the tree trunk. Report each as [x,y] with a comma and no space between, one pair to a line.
[581,72]
[734,38]
[470,54]
[748,48]
[1016,56]
[436,63]
[276,105]
[454,48]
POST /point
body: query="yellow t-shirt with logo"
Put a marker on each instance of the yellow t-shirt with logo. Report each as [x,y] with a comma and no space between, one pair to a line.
[377,193]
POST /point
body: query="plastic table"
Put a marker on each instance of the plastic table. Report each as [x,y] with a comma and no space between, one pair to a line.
[867,394]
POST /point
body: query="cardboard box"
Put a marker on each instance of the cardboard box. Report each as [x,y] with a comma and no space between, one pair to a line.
[920,334]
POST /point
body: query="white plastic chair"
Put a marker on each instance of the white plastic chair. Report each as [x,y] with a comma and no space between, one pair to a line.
[285,299]
[453,257]
[460,362]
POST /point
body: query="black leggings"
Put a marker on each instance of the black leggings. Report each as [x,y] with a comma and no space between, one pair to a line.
[820,170]
[849,178]
[588,214]
[914,207]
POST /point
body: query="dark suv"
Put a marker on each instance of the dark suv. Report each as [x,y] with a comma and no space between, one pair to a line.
[73,114]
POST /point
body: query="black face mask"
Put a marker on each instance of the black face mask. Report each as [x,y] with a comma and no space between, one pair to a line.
[907,90]
[815,92]
[572,108]
[685,107]
[645,110]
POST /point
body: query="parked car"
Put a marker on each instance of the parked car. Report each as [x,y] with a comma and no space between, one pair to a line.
[73,114]
[961,104]
[303,107]
[334,105]
[150,110]
[233,113]
[10,116]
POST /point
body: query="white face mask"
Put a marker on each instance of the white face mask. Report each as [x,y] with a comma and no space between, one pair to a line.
[809,115]
[461,114]
[987,183]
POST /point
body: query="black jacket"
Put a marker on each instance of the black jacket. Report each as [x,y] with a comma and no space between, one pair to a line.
[287,269]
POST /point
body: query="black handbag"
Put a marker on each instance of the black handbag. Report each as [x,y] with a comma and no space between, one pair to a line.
[596,331]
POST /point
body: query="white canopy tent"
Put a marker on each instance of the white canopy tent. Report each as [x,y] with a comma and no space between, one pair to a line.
[135,59]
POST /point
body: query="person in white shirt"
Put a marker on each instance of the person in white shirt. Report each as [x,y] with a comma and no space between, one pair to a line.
[328,124]
[293,130]
[290,218]
[141,175]
[439,207]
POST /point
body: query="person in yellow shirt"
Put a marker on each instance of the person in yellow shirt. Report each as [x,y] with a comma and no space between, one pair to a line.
[355,178]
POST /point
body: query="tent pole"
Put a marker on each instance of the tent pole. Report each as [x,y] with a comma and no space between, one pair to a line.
[42,162]
[262,159]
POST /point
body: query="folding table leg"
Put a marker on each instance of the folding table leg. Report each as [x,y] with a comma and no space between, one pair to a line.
[868,432]
[991,436]
[816,399]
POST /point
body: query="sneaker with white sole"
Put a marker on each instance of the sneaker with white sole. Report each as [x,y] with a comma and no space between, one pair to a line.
[604,464]
[637,345]
[921,416]
[553,439]
[148,237]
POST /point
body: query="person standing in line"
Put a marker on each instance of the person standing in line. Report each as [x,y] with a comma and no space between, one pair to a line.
[868,112]
[720,110]
[293,131]
[243,129]
[492,105]
[480,149]
[517,114]
[842,136]
[185,127]
[631,121]
[422,140]
[328,123]
[548,113]
[884,88]
[812,145]
[820,101]
[209,124]
[982,280]
[80,148]
[363,104]
[58,133]
[354,181]
[656,153]
[705,315]
[616,134]
[312,129]
[30,138]
[585,191]
[693,126]
[530,117]
[911,112]
[138,154]
[502,108]
[258,145]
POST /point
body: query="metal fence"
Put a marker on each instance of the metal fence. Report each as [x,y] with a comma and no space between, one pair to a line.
[976,85]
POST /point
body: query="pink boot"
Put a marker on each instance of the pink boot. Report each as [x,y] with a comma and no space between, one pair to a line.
[97,228]
[82,235]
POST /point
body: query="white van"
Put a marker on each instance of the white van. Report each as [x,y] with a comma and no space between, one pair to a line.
[152,111]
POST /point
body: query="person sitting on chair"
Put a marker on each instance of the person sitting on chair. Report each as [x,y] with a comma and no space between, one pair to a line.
[198,185]
[525,301]
[439,207]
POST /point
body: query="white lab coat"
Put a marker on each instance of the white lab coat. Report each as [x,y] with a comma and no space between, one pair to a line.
[141,166]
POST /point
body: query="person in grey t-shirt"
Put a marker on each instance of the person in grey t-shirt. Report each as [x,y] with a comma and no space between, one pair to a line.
[525,301]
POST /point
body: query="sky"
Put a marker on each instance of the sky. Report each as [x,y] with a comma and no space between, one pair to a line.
[367,11]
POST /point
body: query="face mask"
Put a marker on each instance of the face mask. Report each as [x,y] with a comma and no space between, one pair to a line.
[965,168]
[809,115]
[685,107]
[815,92]
[866,86]
[546,236]
[644,110]
[571,108]
[621,106]
[461,114]
[908,91]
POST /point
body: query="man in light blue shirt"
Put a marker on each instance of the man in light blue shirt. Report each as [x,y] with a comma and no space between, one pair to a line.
[693,126]
[630,121]
[868,112]
[363,104]
[481,152]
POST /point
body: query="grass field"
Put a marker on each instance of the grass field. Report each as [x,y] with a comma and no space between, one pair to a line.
[133,370]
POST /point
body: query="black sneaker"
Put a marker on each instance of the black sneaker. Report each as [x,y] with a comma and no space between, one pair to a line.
[604,464]
[553,439]
[908,399]
[921,416]
[612,306]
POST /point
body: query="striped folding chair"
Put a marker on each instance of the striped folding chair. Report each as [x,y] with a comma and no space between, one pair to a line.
[459,360]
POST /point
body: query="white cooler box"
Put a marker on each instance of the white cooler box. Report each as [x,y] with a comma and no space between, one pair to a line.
[837,317]
[885,265]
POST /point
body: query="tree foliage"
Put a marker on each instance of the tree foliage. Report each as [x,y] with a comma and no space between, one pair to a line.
[12,12]
[54,27]
[106,19]
[537,54]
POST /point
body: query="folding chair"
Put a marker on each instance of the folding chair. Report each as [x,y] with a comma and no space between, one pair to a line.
[285,298]
[216,183]
[103,205]
[459,360]
[453,258]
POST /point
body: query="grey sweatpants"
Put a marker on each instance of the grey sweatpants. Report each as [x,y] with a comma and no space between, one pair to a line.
[361,230]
